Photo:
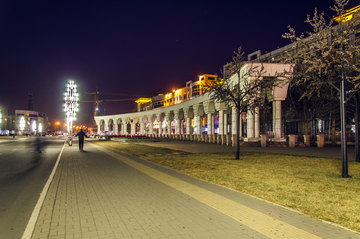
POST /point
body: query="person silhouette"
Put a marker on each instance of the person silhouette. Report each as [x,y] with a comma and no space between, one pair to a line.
[81,135]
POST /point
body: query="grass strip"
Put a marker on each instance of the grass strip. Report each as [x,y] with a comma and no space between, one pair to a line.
[310,185]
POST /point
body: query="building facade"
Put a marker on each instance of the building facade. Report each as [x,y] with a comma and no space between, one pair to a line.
[200,118]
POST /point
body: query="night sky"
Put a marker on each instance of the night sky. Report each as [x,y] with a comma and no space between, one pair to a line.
[130,47]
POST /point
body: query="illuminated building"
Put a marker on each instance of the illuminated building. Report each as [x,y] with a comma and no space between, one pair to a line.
[177,96]
[32,120]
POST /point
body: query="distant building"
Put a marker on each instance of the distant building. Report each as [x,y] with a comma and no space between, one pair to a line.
[26,122]
[33,122]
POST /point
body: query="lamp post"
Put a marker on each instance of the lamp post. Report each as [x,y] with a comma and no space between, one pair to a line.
[58,124]
[71,98]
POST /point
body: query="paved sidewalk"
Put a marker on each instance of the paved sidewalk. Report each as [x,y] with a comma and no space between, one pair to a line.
[101,193]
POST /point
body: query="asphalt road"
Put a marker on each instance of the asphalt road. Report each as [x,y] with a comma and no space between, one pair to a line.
[23,174]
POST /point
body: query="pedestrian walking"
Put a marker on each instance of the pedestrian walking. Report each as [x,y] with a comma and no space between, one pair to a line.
[81,135]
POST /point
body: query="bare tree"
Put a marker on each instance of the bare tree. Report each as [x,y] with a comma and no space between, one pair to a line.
[247,92]
[328,55]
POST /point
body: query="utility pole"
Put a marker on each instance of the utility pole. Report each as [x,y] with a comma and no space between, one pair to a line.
[96,100]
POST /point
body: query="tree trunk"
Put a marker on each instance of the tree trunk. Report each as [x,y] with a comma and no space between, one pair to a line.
[306,128]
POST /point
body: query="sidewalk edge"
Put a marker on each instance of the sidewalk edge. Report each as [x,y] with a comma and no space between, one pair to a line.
[34,216]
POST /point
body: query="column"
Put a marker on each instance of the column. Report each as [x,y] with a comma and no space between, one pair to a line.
[250,125]
[178,124]
[133,125]
[274,118]
[168,128]
[106,125]
[221,126]
[142,125]
[125,128]
[213,123]
[158,118]
[188,127]
[188,114]
[257,123]
[209,126]
[212,128]
[178,127]
[182,127]
[116,131]
[198,127]
[150,126]
[278,121]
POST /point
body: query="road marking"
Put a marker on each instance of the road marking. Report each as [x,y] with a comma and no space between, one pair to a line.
[35,214]
[266,225]
[14,149]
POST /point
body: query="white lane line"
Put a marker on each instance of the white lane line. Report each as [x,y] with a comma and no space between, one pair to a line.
[14,149]
[35,214]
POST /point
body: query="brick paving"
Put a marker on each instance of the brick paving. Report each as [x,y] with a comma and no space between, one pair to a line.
[101,193]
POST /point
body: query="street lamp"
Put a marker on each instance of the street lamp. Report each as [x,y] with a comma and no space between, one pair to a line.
[71,98]
[57,123]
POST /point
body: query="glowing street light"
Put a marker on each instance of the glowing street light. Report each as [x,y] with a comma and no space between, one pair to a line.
[71,98]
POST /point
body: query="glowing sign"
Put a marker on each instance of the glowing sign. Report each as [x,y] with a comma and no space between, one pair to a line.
[22,123]
[34,125]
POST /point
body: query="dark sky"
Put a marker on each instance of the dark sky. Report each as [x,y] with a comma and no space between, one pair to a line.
[129,47]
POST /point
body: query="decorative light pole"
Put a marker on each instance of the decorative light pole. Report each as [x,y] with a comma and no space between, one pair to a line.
[71,98]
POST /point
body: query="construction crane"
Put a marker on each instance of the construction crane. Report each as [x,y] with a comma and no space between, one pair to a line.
[96,99]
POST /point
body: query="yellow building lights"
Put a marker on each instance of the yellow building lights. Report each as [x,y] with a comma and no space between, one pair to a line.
[347,16]
[141,101]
